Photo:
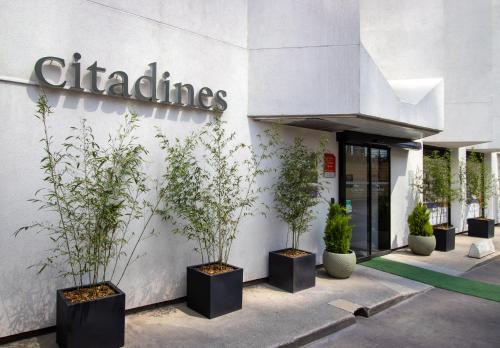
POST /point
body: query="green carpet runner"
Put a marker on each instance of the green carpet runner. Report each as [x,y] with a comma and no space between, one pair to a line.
[439,280]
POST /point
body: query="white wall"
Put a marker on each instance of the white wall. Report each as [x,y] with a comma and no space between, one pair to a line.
[414,102]
[498,188]
[304,81]
[491,163]
[301,23]
[495,78]
[433,38]
[404,166]
[455,39]
[204,48]
[458,207]
[303,57]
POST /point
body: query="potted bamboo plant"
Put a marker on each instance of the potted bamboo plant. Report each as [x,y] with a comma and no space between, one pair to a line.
[96,191]
[480,187]
[338,259]
[208,191]
[421,239]
[296,193]
[439,188]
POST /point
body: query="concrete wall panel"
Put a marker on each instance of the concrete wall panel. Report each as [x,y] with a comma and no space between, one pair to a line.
[304,81]
[302,23]
[404,166]
[438,38]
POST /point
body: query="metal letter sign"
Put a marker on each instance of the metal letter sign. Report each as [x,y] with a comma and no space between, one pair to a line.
[206,98]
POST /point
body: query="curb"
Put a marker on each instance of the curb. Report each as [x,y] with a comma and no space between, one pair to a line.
[382,306]
[336,326]
[485,262]
[320,333]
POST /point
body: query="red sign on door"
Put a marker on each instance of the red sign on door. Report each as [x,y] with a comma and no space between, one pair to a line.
[329,165]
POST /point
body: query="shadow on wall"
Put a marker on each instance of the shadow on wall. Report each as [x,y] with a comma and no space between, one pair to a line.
[159,285]
[257,235]
[146,283]
[412,197]
[24,313]
[472,210]
[273,233]
[402,180]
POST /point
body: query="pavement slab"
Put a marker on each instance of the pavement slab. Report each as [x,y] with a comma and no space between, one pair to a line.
[454,262]
[436,318]
[270,317]
[488,272]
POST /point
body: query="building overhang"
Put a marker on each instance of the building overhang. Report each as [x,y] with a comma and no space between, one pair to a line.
[455,144]
[354,122]
[346,92]
[364,139]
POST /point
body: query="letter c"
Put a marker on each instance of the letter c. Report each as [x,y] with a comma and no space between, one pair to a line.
[39,72]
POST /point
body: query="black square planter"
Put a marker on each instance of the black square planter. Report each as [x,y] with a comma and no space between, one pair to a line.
[482,228]
[292,273]
[214,295]
[445,238]
[97,323]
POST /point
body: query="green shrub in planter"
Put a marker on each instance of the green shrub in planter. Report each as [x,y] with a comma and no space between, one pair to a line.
[421,239]
[296,193]
[480,183]
[338,232]
[338,259]
[419,222]
[481,187]
[96,215]
[210,186]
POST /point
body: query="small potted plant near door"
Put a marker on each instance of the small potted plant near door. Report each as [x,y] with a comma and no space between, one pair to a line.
[94,191]
[481,187]
[440,188]
[339,261]
[208,191]
[421,239]
[296,193]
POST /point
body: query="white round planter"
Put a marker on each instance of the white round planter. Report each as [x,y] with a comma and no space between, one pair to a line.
[339,265]
[422,245]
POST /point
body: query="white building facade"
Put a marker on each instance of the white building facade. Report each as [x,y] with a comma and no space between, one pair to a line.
[378,78]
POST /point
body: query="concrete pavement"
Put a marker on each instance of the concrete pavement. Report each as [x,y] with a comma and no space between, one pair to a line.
[270,317]
[437,318]
[454,262]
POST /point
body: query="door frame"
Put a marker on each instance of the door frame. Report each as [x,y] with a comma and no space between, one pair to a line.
[342,190]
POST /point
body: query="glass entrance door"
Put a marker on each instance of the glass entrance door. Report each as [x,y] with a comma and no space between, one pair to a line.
[366,195]
[380,187]
[356,195]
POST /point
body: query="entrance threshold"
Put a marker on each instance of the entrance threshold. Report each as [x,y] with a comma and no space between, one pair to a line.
[373,255]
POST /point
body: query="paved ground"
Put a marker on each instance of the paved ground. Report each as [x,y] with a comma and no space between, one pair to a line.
[453,262]
[489,272]
[269,317]
[437,318]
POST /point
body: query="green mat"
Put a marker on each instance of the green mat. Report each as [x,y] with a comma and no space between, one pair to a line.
[439,280]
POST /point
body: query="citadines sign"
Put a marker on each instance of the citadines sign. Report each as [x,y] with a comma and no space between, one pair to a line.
[205,98]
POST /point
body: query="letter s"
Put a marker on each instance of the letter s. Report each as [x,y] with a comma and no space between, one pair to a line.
[218,100]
